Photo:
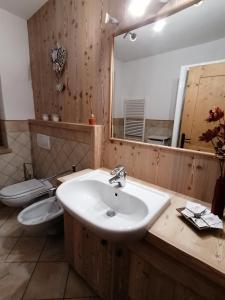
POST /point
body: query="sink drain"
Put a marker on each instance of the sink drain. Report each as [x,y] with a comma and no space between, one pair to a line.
[110,213]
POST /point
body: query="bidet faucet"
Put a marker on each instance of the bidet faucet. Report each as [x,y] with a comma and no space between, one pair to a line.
[119,176]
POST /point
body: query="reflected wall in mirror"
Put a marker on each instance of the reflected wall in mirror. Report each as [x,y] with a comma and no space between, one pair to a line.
[168,75]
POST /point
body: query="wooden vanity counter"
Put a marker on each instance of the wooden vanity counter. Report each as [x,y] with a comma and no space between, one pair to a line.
[202,253]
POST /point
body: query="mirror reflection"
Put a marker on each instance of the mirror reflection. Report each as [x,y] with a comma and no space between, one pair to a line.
[168,75]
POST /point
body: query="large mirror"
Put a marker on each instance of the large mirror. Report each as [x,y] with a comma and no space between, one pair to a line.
[168,75]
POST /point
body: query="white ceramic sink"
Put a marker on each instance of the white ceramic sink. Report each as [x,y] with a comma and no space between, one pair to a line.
[112,212]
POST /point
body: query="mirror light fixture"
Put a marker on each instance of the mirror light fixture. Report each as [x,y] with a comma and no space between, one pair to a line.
[137,7]
[159,25]
[132,36]
[110,20]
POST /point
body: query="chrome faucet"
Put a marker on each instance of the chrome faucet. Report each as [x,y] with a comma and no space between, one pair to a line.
[119,176]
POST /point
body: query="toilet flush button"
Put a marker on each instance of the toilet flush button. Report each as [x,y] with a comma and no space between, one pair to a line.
[43,141]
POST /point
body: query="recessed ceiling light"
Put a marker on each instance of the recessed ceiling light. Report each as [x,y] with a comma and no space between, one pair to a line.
[137,7]
[199,3]
[159,25]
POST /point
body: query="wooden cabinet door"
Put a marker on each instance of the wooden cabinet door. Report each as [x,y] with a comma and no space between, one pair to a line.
[205,88]
[104,265]
[92,259]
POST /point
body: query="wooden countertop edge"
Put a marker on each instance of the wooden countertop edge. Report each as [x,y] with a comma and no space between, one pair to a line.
[193,262]
[165,245]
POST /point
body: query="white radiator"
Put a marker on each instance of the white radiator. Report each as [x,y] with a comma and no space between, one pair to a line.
[134,119]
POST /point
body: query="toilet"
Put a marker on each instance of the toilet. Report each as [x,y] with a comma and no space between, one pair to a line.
[23,193]
[41,215]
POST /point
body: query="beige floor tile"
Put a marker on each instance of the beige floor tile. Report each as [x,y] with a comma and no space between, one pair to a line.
[5,212]
[14,278]
[27,249]
[6,245]
[77,287]
[31,233]
[54,249]
[11,228]
[48,281]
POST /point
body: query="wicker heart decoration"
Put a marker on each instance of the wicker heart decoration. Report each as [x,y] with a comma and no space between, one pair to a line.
[58,57]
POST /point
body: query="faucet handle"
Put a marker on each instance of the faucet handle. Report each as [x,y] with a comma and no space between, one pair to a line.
[118,169]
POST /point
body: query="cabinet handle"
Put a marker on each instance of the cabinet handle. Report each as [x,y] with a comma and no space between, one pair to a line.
[184,140]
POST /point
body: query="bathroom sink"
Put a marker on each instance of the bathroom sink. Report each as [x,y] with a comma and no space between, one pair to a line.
[112,212]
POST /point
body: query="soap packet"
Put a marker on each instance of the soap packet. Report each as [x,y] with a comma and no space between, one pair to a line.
[200,216]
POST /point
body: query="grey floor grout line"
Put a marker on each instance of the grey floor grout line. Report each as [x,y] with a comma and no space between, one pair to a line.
[67,278]
[18,238]
[8,217]
[25,290]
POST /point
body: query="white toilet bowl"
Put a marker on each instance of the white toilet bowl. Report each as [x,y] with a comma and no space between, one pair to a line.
[40,215]
[23,193]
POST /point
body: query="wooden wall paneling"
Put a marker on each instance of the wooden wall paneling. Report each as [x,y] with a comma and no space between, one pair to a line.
[187,173]
[75,69]
[97,141]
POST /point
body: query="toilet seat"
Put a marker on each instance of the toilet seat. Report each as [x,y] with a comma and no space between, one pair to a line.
[40,214]
[22,193]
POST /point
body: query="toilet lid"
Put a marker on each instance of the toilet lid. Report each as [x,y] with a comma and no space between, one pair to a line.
[18,189]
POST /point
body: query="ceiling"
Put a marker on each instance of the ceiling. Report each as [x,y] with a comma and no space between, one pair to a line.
[22,8]
[192,26]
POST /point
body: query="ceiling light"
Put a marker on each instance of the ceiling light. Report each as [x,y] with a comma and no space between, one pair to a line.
[199,3]
[110,20]
[137,7]
[132,36]
[159,25]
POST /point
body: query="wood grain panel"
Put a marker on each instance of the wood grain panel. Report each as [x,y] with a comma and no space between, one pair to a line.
[187,173]
[79,26]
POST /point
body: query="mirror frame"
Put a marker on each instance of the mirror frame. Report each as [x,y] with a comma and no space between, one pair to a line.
[168,12]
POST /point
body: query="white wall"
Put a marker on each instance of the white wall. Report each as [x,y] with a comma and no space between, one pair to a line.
[16,94]
[155,78]
[119,76]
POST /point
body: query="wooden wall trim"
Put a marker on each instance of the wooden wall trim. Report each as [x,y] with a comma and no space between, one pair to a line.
[76,132]
[181,151]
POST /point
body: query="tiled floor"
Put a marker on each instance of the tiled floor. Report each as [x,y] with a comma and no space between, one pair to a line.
[33,267]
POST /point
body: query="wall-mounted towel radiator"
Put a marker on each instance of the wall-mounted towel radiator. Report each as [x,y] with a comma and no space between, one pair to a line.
[134,119]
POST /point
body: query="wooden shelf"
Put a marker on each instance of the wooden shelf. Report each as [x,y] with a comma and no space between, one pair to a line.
[65,125]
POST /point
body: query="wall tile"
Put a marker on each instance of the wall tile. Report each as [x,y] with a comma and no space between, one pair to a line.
[60,158]
[11,164]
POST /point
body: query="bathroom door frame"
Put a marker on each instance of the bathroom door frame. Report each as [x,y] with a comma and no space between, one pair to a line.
[181,97]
